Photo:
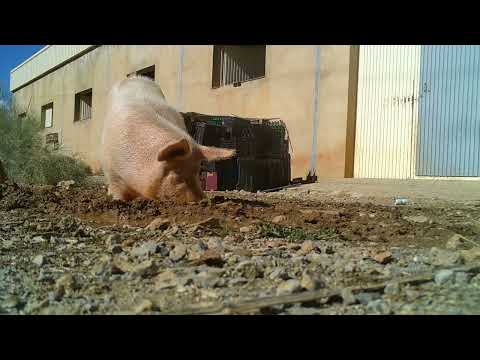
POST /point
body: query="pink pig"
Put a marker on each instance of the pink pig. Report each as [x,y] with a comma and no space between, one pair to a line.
[147,151]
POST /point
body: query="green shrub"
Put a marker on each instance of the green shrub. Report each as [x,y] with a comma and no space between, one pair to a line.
[24,157]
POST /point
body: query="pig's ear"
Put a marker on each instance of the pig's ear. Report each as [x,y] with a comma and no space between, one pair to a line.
[178,150]
[210,153]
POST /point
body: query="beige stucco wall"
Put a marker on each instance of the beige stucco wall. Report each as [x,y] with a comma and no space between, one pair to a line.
[285,92]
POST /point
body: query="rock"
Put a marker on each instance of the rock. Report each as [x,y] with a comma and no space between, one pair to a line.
[320,259]
[301,310]
[211,223]
[443,276]
[148,248]
[366,297]
[142,306]
[38,240]
[279,219]
[439,257]
[307,247]
[178,252]
[146,268]
[462,278]
[475,280]
[470,255]
[420,219]
[289,287]
[66,284]
[158,224]
[379,307]
[7,244]
[456,242]
[12,302]
[392,288]
[66,184]
[215,242]
[247,229]
[348,297]
[113,239]
[166,280]
[38,260]
[278,273]
[247,269]
[237,281]
[383,258]
[211,257]
[207,279]
[311,281]
[116,249]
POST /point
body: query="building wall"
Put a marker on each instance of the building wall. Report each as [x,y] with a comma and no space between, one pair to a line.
[285,92]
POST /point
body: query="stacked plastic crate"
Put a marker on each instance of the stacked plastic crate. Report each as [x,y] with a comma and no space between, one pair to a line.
[262,161]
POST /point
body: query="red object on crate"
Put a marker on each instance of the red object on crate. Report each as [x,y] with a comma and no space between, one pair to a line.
[212,181]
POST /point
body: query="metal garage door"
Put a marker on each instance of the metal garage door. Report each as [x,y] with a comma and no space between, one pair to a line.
[387,111]
[449,125]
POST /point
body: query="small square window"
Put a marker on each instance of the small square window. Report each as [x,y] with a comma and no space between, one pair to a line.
[47,115]
[83,105]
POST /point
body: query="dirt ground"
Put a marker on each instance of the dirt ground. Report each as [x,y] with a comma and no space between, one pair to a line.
[334,247]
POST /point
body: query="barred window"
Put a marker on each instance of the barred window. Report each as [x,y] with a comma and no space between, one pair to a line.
[237,64]
[83,105]
[47,115]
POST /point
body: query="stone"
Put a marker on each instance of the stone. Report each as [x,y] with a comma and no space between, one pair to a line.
[279,219]
[116,249]
[66,284]
[166,280]
[7,244]
[211,257]
[38,240]
[471,255]
[247,229]
[237,281]
[462,278]
[379,307]
[311,281]
[383,257]
[178,252]
[348,297]
[456,242]
[307,247]
[112,239]
[146,268]
[366,297]
[11,302]
[440,257]
[278,273]
[443,276]
[211,223]
[148,248]
[392,288]
[215,242]
[38,260]
[158,224]
[206,279]
[301,310]
[142,306]
[289,287]
[247,269]
[420,219]
[66,184]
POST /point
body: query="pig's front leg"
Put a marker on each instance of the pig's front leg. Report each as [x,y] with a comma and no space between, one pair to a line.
[121,192]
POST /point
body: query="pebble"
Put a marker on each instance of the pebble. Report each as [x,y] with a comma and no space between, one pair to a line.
[470,255]
[311,281]
[440,257]
[166,280]
[307,247]
[247,269]
[366,297]
[383,257]
[417,219]
[178,252]
[247,229]
[142,306]
[279,219]
[116,249]
[289,287]
[148,248]
[378,306]
[38,260]
[456,242]
[7,244]
[237,281]
[392,288]
[443,276]
[348,297]
[278,273]
[214,242]
[462,278]
[113,239]
[158,224]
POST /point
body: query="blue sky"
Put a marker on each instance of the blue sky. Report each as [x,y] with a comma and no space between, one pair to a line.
[11,56]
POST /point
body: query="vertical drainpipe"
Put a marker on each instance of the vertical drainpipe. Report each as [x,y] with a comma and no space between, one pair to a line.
[180,80]
[313,155]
